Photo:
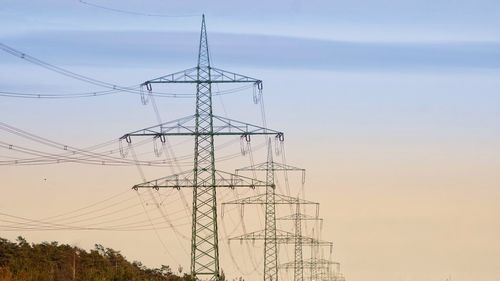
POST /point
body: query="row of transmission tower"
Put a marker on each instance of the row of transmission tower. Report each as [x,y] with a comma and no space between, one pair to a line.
[204,180]
[317,268]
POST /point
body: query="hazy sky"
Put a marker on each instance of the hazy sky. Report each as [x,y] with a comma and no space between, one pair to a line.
[391,106]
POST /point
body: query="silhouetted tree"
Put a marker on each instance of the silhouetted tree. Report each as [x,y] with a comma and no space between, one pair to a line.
[46,261]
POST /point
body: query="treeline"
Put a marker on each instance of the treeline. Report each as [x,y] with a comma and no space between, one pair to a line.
[22,261]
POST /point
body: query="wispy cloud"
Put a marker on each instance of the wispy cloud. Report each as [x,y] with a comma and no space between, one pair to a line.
[128,48]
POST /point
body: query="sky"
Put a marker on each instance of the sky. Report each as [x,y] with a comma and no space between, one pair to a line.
[391,106]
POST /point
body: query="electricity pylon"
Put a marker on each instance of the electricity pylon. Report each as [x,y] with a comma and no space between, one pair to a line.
[320,269]
[318,264]
[328,273]
[270,199]
[204,178]
[282,237]
[298,217]
[314,261]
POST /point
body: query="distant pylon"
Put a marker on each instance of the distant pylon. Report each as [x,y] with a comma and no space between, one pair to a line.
[330,270]
[270,199]
[297,218]
[282,237]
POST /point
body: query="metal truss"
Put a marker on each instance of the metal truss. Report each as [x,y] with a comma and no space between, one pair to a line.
[191,76]
[326,270]
[297,218]
[187,127]
[282,237]
[187,179]
[204,178]
[270,199]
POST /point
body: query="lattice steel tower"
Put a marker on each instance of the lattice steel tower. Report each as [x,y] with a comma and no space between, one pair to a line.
[282,237]
[269,199]
[297,218]
[204,178]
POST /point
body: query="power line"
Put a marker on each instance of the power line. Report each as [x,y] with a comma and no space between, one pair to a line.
[57,69]
[113,88]
[67,221]
[25,95]
[134,12]
[53,96]
[135,89]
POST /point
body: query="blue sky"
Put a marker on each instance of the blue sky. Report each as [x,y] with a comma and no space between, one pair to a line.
[154,48]
[350,20]
[319,34]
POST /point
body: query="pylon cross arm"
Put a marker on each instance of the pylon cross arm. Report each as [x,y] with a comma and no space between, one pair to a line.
[308,241]
[285,199]
[299,217]
[290,265]
[257,199]
[309,263]
[305,264]
[282,237]
[186,179]
[279,199]
[257,235]
[217,75]
[189,75]
[187,127]
[276,167]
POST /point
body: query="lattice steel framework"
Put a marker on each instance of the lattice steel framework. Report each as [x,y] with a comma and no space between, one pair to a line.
[283,237]
[297,218]
[204,178]
[329,270]
[270,199]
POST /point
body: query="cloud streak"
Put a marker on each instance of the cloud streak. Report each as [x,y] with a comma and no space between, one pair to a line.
[128,48]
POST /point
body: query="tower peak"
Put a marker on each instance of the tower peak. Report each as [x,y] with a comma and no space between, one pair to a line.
[203,54]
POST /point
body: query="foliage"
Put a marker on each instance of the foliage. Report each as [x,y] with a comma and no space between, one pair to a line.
[22,261]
